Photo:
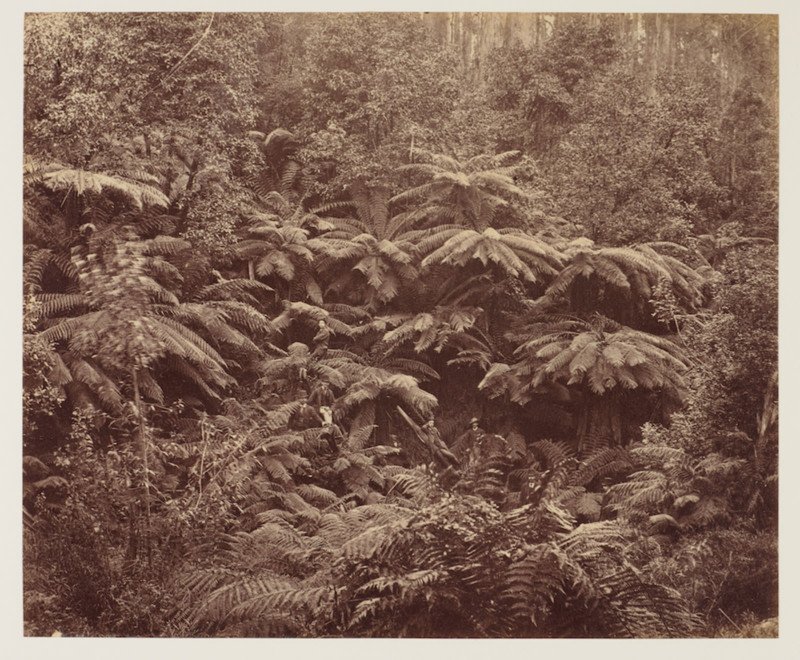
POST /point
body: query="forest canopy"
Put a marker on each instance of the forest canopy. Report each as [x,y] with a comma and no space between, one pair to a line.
[417,325]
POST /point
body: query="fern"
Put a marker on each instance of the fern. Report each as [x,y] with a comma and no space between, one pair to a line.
[80,182]
[466,194]
[514,254]
[375,250]
[634,273]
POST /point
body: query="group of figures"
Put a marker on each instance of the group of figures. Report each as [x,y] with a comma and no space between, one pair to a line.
[464,454]
[469,449]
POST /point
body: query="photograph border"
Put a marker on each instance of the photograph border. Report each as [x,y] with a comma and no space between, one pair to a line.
[789,640]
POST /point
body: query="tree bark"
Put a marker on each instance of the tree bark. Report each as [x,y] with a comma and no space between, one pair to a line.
[600,417]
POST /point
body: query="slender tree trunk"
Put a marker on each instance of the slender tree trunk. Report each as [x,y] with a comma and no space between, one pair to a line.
[133,532]
[251,269]
[615,418]
[142,442]
[584,414]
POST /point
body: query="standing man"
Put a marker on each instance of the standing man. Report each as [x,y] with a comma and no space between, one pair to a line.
[467,447]
[330,431]
[321,340]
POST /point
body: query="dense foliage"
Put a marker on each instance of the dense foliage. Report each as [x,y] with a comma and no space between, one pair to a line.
[262,252]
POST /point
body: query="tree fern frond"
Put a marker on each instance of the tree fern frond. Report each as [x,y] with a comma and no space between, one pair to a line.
[83,181]
[55,304]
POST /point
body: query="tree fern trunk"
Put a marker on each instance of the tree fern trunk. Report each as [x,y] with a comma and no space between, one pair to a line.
[132,551]
[599,422]
[251,269]
[603,422]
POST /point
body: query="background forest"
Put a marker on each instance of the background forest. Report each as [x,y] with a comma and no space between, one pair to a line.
[261,251]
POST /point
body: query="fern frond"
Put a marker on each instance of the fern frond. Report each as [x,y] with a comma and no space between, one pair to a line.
[83,181]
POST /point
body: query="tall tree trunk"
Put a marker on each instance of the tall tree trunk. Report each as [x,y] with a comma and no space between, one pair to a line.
[143,454]
[582,429]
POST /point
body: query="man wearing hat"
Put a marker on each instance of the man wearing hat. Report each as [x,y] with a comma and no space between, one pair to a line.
[466,448]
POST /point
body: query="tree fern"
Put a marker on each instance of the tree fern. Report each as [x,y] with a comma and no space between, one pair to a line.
[600,362]
[512,252]
[373,253]
[283,173]
[280,253]
[117,294]
[466,194]
[80,182]
[631,275]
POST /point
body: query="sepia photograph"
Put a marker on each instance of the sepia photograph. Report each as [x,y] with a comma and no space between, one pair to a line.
[399,325]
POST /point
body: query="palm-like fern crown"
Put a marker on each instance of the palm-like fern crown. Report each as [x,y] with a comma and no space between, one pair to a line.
[428,330]
[605,357]
[280,248]
[381,267]
[372,216]
[275,246]
[117,284]
[368,384]
[444,327]
[284,172]
[375,382]
[373,251]
[632,271]
[468,193]
[288,213]
[510,251]
[137,188]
